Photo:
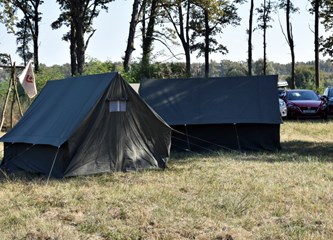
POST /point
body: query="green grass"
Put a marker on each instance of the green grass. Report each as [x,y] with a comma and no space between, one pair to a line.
[282,195]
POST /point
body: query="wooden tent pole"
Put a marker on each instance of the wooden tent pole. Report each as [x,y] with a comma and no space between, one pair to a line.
[12,109]
[15,90]
[11,87]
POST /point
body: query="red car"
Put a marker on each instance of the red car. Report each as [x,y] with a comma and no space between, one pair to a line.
[305,103]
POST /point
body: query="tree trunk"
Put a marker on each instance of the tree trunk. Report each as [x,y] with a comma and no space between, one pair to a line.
[316,43]
[78,10]
[185,38]
[72,49]
[35,36]
[131,35]
[249,60]
[264,35]
[147,41]
[80,47]
[207,33]
[291,45]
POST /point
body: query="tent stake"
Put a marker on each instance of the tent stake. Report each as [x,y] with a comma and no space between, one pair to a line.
[238,142]
[187,138]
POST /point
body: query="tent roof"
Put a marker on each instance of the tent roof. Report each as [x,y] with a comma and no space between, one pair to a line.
[59,109]
[214,100]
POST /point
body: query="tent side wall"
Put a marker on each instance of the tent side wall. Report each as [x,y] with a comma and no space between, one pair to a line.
[240,137]
[240,113]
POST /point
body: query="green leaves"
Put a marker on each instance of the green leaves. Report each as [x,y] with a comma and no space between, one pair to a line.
[326,15]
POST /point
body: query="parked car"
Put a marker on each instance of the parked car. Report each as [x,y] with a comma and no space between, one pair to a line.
[305,103]
[283,108]
[328,93]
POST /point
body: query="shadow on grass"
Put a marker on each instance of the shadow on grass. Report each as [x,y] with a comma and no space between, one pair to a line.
[292,151]
[323,150]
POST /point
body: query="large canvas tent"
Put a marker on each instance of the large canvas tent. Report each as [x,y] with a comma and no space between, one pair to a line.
[240,113]
[87,125]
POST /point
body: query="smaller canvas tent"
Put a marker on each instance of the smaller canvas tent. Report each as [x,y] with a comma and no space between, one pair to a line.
[240,113]
[87,125]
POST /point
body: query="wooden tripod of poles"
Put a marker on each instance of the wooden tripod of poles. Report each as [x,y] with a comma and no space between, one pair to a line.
[12,88]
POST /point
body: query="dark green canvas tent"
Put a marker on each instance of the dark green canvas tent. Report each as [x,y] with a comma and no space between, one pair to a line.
[240,113]
[87,125]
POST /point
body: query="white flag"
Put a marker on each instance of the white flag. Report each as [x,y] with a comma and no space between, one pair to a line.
[27,80]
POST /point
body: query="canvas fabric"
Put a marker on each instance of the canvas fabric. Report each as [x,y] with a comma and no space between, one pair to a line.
[69,130]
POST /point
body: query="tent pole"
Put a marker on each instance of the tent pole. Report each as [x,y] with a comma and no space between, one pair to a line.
[49,176]
[15,89]
[187,138]
[12,110]
[15,96]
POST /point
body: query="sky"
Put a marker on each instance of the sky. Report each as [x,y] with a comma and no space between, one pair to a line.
[109,41]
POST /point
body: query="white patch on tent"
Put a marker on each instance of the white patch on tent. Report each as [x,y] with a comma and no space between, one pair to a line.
[117,106]
[137,157]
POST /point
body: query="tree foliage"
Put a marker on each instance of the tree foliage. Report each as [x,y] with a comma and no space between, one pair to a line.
[304,76]
[7,15]
[263,67]
[27,29]
[326,15]
[207,22]
[177,12]
[23,40]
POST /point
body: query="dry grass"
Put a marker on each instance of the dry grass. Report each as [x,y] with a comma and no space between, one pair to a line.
[284,195]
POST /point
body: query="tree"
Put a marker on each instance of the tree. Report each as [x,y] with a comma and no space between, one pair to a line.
[29,25]
[232,69]
[78,15]
[258,67]
[249,45]
[264,18]
[304,76]
[136,11]
[23,39]
[178,14]
[208,19]
[150,13]
[7,15]
[316,41]
[289,8]
[147,31]
[327,21]
[315,9]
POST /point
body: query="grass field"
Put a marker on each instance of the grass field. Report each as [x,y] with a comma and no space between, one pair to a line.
[281,195]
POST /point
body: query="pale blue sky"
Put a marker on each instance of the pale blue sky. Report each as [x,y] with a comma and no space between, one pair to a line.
[109,41]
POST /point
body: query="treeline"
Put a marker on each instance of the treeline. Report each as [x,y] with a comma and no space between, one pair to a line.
[304,71]
[195,25]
